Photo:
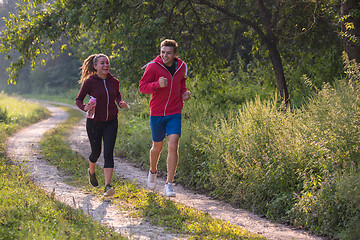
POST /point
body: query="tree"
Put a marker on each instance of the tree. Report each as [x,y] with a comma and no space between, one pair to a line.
[350,16]
[130,31]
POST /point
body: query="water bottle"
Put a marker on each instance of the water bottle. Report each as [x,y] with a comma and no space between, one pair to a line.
[91,111]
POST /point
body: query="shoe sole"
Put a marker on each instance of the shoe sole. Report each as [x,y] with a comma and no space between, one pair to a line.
[169,194]
[150,184]
[93,185]
[151,188]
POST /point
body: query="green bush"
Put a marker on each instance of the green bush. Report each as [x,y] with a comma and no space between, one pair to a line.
[300,166]
[3,114]
[284,165]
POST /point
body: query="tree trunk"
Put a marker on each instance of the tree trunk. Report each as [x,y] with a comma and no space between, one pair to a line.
[268,38]
[232,47]
[270,41]
[279,73]
[351,47]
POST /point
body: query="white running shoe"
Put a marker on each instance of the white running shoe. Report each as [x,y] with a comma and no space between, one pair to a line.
[151,181]
[169,191]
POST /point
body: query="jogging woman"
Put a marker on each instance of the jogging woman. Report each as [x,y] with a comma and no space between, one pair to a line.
[98,83]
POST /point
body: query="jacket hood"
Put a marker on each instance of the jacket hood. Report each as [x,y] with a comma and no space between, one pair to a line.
[95,76]
[159,61]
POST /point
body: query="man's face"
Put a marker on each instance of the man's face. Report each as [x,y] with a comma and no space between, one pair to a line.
[167,55]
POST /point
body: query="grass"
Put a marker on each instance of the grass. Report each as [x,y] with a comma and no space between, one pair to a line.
[26,211]
[157,210]
[299,167]
[65,97]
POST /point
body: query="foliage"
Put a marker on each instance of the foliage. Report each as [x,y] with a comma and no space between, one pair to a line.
[310,71]
[15,112]
[289,166]
[352,70]
[3,114]
[283,165]
[57,75]
[209,32]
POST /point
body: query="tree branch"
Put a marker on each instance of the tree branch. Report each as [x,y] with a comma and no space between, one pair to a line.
[233,16]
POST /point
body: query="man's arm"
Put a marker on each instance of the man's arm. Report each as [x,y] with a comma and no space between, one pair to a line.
[148,84]
[185,94]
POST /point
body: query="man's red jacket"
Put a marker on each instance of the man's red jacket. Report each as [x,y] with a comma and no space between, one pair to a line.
[168,100]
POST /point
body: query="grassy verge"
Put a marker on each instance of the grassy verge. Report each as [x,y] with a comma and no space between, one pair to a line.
[300,167]
[142,203]
[26,211]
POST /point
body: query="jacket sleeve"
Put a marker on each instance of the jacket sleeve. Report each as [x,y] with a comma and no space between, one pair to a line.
[183,85]
[148,83]
[79,101]
[183,81]
[118,97]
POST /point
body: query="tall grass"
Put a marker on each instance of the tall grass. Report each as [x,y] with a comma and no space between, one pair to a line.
[16,112]
[292,166]
[300,166]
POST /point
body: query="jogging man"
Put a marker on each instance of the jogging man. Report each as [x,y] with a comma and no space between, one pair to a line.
[165,79]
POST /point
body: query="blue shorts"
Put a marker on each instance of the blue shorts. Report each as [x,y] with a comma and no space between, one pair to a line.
[165,125]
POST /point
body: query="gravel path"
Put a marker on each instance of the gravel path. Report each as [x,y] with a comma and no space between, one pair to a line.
[23,148]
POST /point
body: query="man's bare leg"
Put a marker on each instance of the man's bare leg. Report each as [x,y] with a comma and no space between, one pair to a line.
[173,156]
[155,155]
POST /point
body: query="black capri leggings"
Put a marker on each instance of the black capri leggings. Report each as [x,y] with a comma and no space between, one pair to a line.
[98,131]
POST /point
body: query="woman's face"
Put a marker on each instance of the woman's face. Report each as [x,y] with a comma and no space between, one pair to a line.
[102,66]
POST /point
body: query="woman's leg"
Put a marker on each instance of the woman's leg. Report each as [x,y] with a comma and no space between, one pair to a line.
[92,167]
[95,138]
[109,136]
[108,172]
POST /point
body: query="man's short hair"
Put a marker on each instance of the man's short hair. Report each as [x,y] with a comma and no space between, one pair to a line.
[169,43]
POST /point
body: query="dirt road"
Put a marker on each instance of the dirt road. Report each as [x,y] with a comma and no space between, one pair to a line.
[23,148]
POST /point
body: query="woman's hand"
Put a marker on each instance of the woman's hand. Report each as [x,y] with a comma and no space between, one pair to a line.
[123,104]
[88,107]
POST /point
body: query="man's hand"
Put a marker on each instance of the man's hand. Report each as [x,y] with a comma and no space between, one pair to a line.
[163,82]
[186,95]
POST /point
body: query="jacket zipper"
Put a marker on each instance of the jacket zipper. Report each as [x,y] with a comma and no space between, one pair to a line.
[172,78]
[107,100]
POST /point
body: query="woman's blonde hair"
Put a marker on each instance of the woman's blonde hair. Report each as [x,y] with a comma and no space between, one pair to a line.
[87,69]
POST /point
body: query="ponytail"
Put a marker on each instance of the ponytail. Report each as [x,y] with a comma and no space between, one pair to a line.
[87,69]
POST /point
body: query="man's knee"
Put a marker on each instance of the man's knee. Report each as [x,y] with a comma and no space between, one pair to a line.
[156,150]
[173,142]
[156,147]
[173,146]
